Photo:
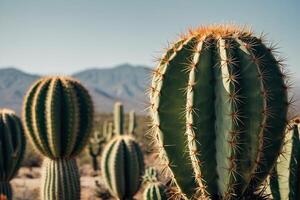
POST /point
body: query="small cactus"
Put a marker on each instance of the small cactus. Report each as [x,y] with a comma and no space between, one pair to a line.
[150,175]
[122,166]
[12,147]
[216,97]
[97,143]
[58,117]
[119,127]
[155,191]
[285,178]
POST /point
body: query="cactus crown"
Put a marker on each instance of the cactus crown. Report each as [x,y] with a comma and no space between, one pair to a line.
[58,116]
[12,144]
[213,106]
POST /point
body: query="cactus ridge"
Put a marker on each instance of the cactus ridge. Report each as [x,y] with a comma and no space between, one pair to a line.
[155,191]
[217,85]
[284,179]
[12,148]
[58,115]
[60,180]
[122,165]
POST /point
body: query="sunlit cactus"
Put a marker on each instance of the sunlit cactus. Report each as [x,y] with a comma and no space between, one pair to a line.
[150,175]
[132,123]
[155,191]
[219,107]
[58,118]
[12,147]
[122,167]
[285,178]
[97,143]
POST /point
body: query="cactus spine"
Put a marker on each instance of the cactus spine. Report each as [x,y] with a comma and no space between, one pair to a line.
[216,96]
[58,117]
[97,143]
[123,166]
[285,177]
[12,147]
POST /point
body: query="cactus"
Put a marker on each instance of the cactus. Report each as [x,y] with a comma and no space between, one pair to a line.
[219,107]
[123,166]
[132,123]
[12,147]
[155,191]
[97,143]
[285,177]
[58,117]
[150,175]
[119,120]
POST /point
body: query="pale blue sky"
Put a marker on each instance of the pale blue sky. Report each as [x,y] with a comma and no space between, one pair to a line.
[66,36]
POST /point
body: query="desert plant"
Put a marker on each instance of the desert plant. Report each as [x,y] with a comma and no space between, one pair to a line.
[122,166]
[12,148]
[119,128]
[154,189]
[58,117]
[285,177]
[97,143]
[219,108]
[150,175]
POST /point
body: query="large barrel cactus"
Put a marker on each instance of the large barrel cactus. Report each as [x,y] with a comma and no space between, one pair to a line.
[285,177]
[58,117]
[12,147]
[219,108]
[122,167]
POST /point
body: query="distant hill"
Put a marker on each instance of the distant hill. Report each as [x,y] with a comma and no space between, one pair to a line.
[124,83]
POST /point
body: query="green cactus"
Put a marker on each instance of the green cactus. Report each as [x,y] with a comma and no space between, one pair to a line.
[155,191]
[285,177]
[132,123]
[58,117]
[216,97]
[97,143]
[122,166]
[12,147]
[150,175]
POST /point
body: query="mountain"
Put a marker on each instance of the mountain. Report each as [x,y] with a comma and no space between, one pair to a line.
[124,83]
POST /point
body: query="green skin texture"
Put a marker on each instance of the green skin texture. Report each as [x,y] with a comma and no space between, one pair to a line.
[284,180]
[58,116]
[97,143]
[119,121]
[122,167]
[12,148]
[235,153]
[155,191]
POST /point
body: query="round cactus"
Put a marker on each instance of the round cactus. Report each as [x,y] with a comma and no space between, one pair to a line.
[58,117]
[122,166]
[12,147]
[219,108]
[155,191]
[285,177]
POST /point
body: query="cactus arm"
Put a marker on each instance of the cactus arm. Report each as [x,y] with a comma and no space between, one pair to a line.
[70,119]
[86,117]
[132,122]
[119,118]
[53,112]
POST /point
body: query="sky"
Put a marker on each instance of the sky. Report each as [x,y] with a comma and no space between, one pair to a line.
[62,36]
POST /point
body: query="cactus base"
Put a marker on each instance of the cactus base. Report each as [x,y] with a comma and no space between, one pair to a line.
[60,180]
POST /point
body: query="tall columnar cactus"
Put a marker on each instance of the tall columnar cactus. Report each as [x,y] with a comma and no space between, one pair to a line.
[97,143]
[58,117]
[131,123]
[119,127]
[12,147]
[219,108]
[119,118]
[285,177]
[122,166]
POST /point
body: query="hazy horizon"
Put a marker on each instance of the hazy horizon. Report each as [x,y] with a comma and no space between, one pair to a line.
[65,37]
